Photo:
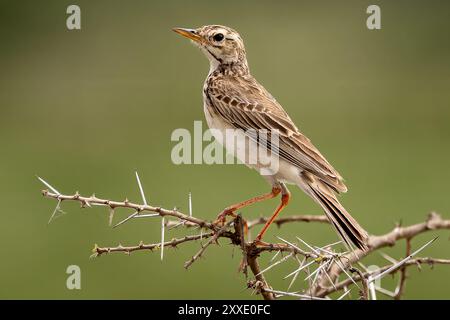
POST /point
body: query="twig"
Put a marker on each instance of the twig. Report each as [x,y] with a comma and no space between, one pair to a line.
[403,275]
[413,262]
[263,286]
[365,287]
[127,204]
[433,222]
[204,247]
[98,251]
[239,230]
[399,264]
[297,218]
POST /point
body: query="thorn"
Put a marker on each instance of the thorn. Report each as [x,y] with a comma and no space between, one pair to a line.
[332,244]
[162,236]
[326,251]
[190,204]
[57,209]
[385,292]
[48,185]
[176,225]
[294,294]
[349,276]
[275,255]
[296,275]
[300,269]
[419,267]
[141,189]
[311,248]
[146,215]
[126,219]
[344,295]
[388,258]
[111,216]
[399,264]
[329,279]
[362,266]
[276,263]
[291,244]
[373,293]
[316,271]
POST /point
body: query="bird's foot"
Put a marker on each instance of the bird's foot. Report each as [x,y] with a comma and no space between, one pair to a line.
[222,217]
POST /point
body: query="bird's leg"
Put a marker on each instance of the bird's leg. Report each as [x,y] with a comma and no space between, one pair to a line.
[285,196]
[229,211]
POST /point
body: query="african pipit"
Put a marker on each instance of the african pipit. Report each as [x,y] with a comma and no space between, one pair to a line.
[233,99]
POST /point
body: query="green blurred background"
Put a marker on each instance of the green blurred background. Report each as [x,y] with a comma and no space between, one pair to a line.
[85,109]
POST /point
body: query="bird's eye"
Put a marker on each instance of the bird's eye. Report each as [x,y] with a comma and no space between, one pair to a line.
[218,37]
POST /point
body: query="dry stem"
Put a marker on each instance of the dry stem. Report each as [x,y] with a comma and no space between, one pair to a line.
[330,264]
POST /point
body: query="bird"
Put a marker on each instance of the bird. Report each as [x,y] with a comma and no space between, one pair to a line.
[235,100]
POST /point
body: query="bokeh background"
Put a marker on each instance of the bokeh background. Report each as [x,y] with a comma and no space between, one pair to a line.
[85,109]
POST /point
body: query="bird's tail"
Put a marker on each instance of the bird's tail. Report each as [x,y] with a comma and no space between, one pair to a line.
[346,226]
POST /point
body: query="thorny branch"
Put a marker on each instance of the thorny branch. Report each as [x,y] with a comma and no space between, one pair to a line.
[320,284]
[413,262]
[297,218]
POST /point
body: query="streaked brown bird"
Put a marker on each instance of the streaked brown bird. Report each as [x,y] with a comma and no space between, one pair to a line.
[233,99]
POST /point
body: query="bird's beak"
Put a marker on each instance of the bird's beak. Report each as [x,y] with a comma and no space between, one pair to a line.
[189,33]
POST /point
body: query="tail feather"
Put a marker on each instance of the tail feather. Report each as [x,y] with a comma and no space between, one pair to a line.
[346,226]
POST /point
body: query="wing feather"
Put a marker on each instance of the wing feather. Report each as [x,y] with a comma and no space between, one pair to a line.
[245,104]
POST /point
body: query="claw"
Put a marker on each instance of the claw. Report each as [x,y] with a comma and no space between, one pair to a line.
[222,217]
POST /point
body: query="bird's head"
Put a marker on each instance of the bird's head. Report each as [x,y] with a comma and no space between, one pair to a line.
[222,45]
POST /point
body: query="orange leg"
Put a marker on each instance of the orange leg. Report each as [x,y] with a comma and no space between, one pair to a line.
[284,201]
[231,209]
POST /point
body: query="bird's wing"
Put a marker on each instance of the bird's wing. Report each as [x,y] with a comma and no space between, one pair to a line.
[245,104]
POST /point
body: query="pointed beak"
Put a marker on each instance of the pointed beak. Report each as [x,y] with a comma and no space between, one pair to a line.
[189,33]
